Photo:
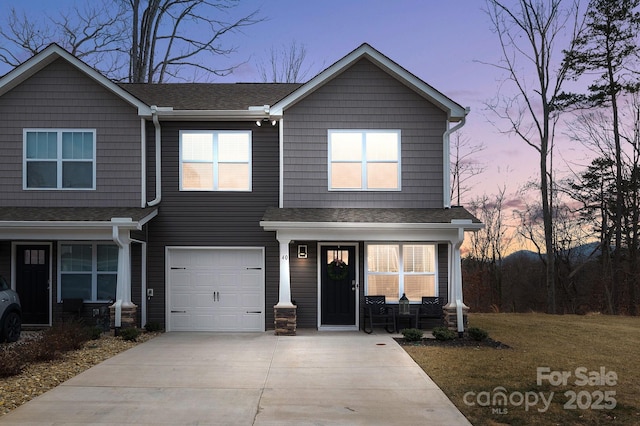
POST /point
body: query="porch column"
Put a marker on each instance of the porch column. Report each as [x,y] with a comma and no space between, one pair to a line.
[285,315]
[456,311]
[123,311]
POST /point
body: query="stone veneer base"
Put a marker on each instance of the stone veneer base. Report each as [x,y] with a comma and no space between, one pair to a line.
[285,320]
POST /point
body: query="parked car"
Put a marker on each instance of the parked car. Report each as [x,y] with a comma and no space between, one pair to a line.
[10,313]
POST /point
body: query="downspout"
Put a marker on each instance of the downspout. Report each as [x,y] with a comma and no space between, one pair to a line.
[447,158]
[143,154]
[158,139]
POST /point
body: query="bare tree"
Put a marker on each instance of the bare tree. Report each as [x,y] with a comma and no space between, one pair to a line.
[285,65]
[464,165]
[140,41]
[528,33]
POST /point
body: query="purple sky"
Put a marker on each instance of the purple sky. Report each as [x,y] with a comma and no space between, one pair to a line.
[439,41]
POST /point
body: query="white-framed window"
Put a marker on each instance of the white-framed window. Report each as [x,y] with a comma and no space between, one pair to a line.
[364,160]
[394,269]
[59,159]
[215,160]
[88,270]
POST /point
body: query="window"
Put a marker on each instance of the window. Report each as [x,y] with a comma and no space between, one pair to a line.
[394,269]
[88,271]
[215,160]
[59,159]
[366,160]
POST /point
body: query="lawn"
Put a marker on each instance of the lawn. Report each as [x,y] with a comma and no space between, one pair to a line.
[560,369]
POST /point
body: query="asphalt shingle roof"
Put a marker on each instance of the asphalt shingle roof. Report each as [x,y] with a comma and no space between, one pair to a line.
[367,215]
[70,214]
[210,96]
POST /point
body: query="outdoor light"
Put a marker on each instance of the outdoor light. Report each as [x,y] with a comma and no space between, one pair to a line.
[258,123]
[302,251]
[403,305]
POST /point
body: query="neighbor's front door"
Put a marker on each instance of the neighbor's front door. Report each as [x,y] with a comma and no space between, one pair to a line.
[338,285]
[32,283]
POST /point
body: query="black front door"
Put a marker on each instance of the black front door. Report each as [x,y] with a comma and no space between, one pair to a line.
[32,283]
[338,285]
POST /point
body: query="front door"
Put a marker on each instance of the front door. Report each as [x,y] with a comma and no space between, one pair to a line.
[338,285]
[32,283]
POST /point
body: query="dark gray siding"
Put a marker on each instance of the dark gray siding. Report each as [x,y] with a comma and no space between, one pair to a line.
[59,96]
[363,97]
[304,283]
[443,272]
[214,218]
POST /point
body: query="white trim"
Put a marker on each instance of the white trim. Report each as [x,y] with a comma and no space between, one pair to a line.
[281,172]
[52,52]
[59,160]
[454,111]
[364,161]
[215,159]
[14,268]
[348,327]
[401,273]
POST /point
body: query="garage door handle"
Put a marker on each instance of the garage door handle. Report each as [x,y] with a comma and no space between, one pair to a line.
[178,312]
[175,267]
[254,312]
[254,269]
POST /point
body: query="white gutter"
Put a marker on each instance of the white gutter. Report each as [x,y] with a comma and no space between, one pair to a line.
[447,159]
[143,155]
[156,124]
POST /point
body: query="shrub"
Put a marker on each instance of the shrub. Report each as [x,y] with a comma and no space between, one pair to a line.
[129,334]
[12,360]
[412,334]
[95,332]
[150,327]
[443,333]
[477,333]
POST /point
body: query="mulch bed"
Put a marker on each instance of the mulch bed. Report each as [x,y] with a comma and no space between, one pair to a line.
[463,342]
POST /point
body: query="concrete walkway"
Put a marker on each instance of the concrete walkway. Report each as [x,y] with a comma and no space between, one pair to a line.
[315,378]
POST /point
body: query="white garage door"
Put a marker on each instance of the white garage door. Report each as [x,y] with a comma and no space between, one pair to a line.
[215,289]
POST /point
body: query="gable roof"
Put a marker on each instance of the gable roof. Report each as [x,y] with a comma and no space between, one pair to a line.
[210,96]
[455,111]
[53,52]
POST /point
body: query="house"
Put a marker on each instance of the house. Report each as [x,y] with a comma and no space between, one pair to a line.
[228,207]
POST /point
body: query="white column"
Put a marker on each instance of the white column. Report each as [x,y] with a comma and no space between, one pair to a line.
[284,299]
[123,283]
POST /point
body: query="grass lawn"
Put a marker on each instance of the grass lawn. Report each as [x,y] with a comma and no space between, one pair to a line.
[500,386]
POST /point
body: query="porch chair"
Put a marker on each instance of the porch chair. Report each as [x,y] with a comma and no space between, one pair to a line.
[429,309]
[378,313]
[72,308]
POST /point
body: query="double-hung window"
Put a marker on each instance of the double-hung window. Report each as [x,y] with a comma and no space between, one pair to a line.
[59,159]
[364,160]
[394,269]
[215,160]
[88,271]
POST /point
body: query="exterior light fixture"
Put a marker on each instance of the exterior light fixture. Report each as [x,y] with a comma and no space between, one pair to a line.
[302,251]
[258,123]
[403,305]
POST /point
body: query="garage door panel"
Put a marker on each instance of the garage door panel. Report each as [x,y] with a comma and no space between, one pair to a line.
[216,288]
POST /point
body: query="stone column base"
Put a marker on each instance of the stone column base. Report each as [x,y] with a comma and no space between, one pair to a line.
[127,316]
[285,320]
[451,317]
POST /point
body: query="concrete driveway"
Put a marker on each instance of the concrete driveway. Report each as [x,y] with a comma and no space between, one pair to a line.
[315,378]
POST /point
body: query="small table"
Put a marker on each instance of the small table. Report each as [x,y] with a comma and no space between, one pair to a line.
[411,316]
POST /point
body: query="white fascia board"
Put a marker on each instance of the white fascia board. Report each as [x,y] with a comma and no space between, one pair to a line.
[455,112]
[212,115]
[45,57]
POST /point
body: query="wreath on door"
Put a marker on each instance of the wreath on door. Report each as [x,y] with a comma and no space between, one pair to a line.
[338,270]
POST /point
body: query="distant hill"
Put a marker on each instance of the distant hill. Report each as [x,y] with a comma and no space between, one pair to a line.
[577,253]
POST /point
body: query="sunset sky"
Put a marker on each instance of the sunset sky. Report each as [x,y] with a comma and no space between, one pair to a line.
[448,44]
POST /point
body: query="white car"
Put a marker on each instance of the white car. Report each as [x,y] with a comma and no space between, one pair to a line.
[10,313]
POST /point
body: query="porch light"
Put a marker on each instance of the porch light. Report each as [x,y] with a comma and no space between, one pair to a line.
[403,305]
[302,251]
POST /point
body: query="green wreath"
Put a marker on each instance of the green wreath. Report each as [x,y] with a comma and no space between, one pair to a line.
[338,270]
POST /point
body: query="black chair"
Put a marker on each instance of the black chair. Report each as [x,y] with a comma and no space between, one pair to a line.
[429,309]
[378,313]
[72,308]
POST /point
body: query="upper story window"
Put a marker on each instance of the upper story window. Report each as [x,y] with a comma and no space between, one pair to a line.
[59,159]
[364,160]
[215,160]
